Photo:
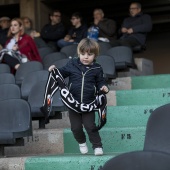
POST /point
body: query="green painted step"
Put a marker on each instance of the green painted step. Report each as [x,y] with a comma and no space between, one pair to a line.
[154,81]
[128,116]
[114,140]
[67,162]
[158,96]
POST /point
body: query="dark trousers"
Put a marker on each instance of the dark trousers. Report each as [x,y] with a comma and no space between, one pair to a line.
[130,42]
[12,62]
[77,121]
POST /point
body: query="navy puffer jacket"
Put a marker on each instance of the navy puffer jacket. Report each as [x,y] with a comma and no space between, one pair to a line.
[84,81]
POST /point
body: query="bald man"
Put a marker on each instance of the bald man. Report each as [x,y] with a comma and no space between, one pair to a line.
[107,27]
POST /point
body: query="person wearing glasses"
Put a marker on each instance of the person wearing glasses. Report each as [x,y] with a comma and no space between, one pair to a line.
[76,33]
[53,31]
[134,28]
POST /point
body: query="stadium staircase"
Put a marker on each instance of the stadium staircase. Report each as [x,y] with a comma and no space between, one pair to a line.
[130,102]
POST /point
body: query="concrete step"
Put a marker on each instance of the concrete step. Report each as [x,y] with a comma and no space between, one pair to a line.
[128,116]
[114,140]
[157,96]
[43,142]
[140,82]
[67,162]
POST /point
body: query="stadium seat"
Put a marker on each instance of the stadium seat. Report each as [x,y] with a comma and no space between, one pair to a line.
[123,57]
[36,98]
[69,50]
[51,58]
[157,133]
[139,48]
[4,68]
[44,51]
[139,160]
[26,68]
[104,47]
[9,91]
[15,123]
[108,65]
[7,78]
[30,80]
[156,151]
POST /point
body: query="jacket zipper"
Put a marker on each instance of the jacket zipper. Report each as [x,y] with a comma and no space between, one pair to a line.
[82,84]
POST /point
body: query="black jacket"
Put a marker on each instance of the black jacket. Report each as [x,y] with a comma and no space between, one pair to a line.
[53,32]
[141,25]
[107,29]
[78,33]
[84,81]
[3,36]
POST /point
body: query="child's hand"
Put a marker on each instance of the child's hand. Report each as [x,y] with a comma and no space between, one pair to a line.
[105,89]
[51,68]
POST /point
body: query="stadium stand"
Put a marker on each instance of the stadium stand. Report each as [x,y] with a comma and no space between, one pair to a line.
[108,65]
[30,80]
[156,151]
[69,50]
[51,58]
[104,47]
[15,123]
[26,68]
[36,98]
[9,91]
[44,51]
[4,68]
[7,78]
[123,57]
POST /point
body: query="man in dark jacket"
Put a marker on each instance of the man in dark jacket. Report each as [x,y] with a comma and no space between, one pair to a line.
[76,33]
[55,30]
[5,24]
[134,28]
[107,27]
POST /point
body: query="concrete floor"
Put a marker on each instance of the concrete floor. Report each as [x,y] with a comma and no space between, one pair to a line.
[158,50]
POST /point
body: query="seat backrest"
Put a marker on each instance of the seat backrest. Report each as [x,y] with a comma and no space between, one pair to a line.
[15,115]
[51,58]
[4,68]
[26,68]
[9,91]
[69,50]
[30,80]
[139,160]
[36,98]
[123,56]
[108,65]
[61,63]
[7,78]
[104,47]
[44,51]
[158,130]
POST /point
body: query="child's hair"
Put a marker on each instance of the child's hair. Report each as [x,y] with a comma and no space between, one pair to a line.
[89,46]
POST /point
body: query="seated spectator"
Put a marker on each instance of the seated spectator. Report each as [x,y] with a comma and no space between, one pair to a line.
[20,47]
[53,31]
[134,28]
[5,24]
[76,33]
[107,27]
[28,27]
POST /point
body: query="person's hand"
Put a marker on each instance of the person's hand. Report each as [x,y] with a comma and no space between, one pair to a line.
[96,21]
[124,30]
[71,40]
[67,38]
[130,31]
[15,47]
[104,89]
[51,68]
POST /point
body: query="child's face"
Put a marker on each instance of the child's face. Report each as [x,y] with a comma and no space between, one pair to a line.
[87,58]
